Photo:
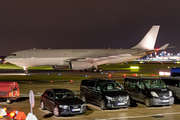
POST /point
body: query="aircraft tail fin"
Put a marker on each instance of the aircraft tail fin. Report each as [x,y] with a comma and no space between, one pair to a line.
[149,39]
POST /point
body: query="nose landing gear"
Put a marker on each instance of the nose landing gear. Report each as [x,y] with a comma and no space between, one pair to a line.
[25,70]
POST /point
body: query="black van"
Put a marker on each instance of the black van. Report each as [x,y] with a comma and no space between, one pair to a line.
[151,91]
[104,93]
[174,84]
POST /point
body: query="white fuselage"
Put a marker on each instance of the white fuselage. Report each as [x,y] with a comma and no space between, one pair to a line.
[62,57]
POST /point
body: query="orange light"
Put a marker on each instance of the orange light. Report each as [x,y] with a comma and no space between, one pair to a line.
[51,81]
[29,82]
[152,74]
[12,114]
[134,75]
[5,109]
[71,80]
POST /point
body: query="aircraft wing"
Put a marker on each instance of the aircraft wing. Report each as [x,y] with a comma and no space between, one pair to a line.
[94,59]
[101,60]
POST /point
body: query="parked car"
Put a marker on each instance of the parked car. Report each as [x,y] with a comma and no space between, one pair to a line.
[151,91]
[104,93]
[9,91]
[173,83]
[62,102]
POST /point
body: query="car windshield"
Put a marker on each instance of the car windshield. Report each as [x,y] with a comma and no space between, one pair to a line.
[111,86]
[64,95]
[154,84]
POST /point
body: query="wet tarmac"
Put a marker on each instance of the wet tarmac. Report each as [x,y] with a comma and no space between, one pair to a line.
[139,111]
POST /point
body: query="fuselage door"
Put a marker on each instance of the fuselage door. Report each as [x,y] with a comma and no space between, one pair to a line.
[24,55]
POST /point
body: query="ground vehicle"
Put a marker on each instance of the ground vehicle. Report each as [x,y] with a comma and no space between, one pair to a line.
[105,93]
[62,102]
[9,91]
[151,91]
[174,84]
[175,72]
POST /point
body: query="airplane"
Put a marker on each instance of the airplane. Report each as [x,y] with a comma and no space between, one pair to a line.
[84,59]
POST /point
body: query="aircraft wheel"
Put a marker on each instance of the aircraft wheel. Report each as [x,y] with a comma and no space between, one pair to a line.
[87,70]
[100,70]
[94,70]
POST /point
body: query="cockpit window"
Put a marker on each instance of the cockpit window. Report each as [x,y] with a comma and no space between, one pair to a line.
[12,54]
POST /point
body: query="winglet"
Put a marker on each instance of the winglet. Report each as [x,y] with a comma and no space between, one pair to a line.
[163,47]
[149,39]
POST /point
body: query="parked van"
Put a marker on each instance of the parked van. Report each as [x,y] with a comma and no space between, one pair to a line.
[149,91]
[104,93]
[9,91]
[174,84]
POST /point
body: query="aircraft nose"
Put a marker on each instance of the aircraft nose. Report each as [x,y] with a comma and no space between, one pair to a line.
[8,59]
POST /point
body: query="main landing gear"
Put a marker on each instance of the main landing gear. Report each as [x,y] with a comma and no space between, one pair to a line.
[96,70]
[93,70]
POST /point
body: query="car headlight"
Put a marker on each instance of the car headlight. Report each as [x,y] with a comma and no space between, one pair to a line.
[63,106]
[110,98]
[127,97]
[170,93]
[154,94]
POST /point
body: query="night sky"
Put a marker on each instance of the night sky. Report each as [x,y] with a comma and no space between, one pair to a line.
[60,24]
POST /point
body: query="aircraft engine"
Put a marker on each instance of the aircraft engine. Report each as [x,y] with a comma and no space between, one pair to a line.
[79,65]
[57,67]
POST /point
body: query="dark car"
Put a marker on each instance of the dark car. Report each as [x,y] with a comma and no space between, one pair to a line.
[151,91]
[104,93]
[62,102]
[173,83]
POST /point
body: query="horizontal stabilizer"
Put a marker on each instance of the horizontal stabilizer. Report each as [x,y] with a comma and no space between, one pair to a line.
[163,47]
[171,47]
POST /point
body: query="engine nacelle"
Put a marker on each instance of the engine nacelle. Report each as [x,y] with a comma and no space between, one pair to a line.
[80,65]
[57,67]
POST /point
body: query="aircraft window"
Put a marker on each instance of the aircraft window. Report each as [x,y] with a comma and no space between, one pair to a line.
[12,54]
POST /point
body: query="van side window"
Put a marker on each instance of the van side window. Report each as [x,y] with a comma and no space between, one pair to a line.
[49,93]
[133,83]
[126,84]
[97,88]
[166,81]
[92,85]
[84,83]
[141,85]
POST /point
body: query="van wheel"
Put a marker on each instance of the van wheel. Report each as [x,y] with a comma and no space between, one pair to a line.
[56,111]
[84,99]
[42,106]
[147,102]
[8,101]
[102,105]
